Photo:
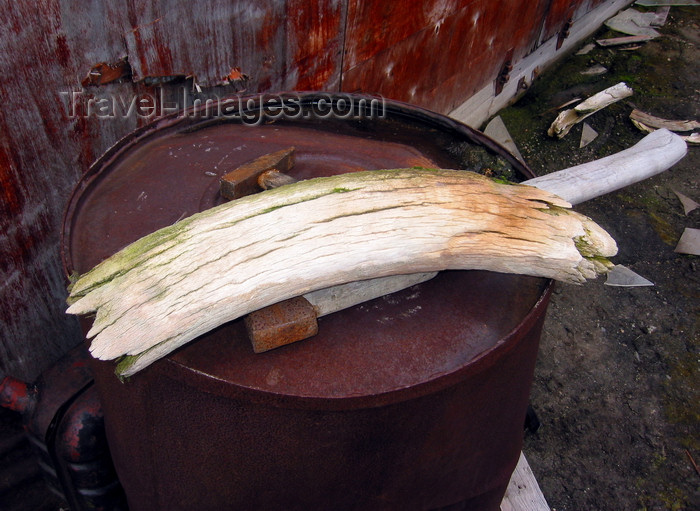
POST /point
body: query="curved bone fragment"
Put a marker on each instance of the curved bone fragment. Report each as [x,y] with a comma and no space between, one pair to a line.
[568,118]
[177,283]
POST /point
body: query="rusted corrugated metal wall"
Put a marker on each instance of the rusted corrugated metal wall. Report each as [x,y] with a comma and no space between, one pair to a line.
[433,53]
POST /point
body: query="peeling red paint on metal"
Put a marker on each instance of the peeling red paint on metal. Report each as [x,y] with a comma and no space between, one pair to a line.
[17,395]
[417,64]
[557,15]
[62,50]
[12,197]
[78,433]
[104,73]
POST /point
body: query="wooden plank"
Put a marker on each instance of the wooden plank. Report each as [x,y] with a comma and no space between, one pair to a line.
[523,492]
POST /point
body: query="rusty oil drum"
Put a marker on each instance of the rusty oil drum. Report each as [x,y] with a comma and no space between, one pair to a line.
[411,401]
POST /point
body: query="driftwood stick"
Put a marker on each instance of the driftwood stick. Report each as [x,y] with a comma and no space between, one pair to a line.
[186,279]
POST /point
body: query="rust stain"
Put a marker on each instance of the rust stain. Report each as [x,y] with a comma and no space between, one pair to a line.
[417,64]
[238,79]
[558,13]
[62,51]
[151,46]
[12,198]
[103,73]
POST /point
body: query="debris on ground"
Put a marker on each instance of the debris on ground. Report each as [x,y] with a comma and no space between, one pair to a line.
[586,49]
[620,41]
[633,22]
[688,203]
[497,130]
[617,385]
[622,276]
[568,118]
[657,122]
[689,242]
[693,138]
[595,70]
[588,135]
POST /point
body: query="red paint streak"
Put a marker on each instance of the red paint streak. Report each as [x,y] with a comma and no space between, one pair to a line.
[263,73]
[314,34]
[15,395]
[12,197]
[62,51]
[376,25]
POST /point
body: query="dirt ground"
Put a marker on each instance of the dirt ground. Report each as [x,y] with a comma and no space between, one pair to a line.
[616,388]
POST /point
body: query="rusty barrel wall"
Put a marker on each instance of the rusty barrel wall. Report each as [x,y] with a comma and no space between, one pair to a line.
[415,400]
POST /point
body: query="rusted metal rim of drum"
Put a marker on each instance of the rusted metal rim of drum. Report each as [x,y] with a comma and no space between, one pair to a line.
[473,367]
[193,119]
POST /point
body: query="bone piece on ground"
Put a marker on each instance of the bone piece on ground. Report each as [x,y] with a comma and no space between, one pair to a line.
[687,203]
[693,138]
[689,242]
[568,118]
[496,129]
[588,135]
[176,284]
[622,276]
[657,122]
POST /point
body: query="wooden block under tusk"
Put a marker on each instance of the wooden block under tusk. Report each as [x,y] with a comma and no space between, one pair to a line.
[243,180]
[281,323]
[295,320]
